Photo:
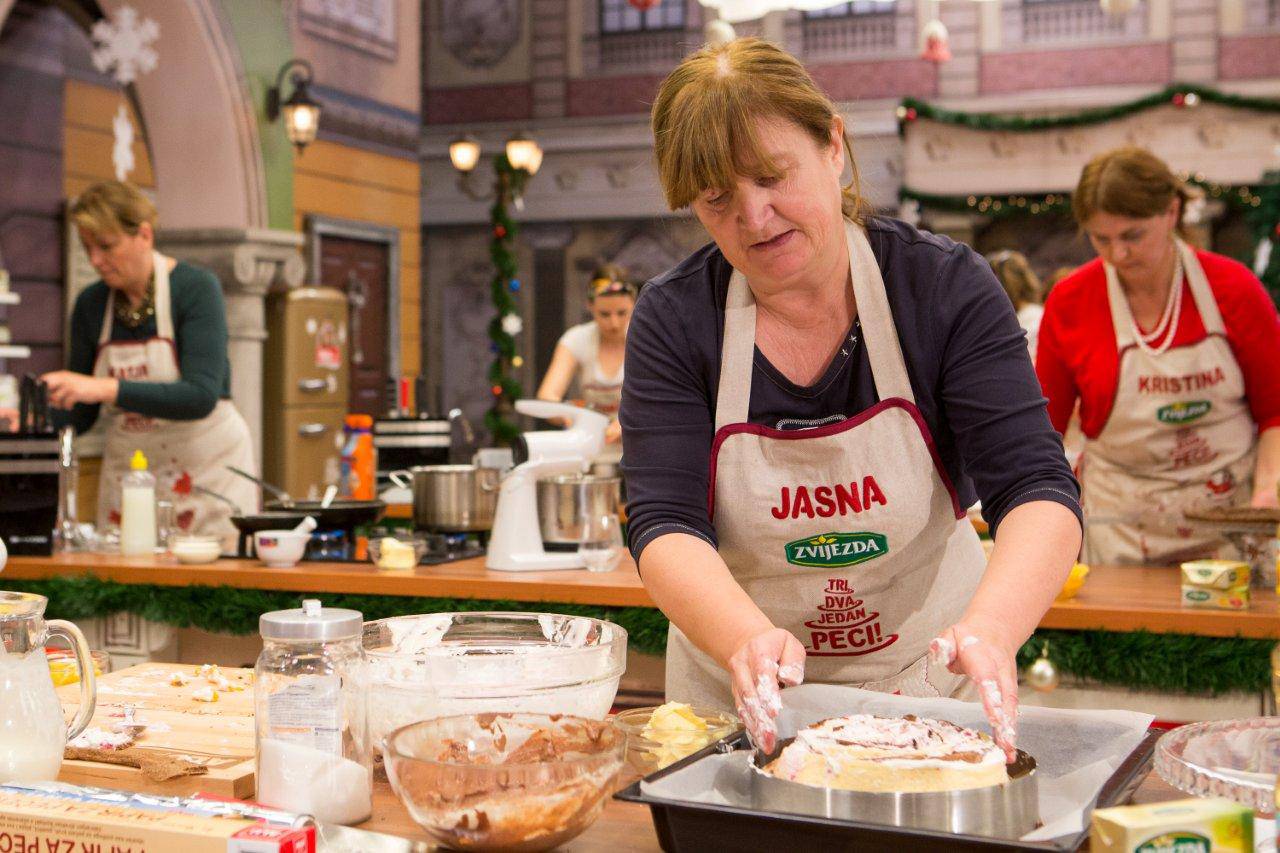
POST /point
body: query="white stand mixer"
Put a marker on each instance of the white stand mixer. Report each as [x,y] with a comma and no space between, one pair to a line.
[516,542]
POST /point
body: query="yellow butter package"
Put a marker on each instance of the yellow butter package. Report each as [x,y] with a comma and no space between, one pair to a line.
[1215,599]
[1218,574]
[1178,826]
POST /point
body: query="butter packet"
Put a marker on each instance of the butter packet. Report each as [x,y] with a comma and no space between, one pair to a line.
[1204,597]
[1179,826]
[1217,574]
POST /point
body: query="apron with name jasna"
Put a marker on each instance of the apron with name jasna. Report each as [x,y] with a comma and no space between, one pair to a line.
[1180,437]
[848,535]
[179,452]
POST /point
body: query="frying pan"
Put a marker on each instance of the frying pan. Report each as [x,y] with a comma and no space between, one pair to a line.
[339,514]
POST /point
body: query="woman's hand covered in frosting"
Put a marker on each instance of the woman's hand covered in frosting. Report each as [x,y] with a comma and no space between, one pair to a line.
[757,668]
[979,649]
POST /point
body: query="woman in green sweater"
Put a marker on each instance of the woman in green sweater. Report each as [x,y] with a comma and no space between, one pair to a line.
[148,352]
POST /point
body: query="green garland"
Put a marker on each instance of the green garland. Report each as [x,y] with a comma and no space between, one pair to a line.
[231,610]
[1178,663]
[1260,204]
[506,388]
[1178,94]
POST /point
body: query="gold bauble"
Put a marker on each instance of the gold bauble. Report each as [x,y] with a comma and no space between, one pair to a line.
[1042,675]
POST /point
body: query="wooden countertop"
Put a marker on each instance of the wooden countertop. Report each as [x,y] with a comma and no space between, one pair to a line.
[1114,598]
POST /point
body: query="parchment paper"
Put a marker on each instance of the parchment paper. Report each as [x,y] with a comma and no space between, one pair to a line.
[1075,751]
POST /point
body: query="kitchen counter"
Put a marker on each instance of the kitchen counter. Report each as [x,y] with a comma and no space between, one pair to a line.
[1114,598]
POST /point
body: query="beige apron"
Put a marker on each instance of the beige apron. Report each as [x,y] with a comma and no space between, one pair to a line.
[848,535]
[179,453]
[1180,436]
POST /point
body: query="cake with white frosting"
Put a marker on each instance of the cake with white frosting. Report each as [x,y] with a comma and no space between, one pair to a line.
[866,753]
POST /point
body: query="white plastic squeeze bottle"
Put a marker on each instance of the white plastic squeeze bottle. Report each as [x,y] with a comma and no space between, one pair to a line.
[137,508]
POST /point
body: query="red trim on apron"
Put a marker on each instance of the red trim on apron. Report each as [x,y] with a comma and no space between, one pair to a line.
[833,429]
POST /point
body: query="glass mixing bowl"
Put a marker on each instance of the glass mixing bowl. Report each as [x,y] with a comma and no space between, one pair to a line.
[444,664]
[649,749]
[512,782]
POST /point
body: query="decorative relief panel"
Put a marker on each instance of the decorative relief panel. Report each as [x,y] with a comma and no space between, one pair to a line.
[365,25]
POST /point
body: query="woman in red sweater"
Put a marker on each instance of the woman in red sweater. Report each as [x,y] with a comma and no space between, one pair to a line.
[1171,353]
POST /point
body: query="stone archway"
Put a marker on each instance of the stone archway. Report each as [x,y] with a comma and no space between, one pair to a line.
[212,183]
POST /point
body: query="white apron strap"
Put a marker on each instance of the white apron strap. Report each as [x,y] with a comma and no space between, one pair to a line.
[1200,291]
[104,337]
[888,369]
[733,399]
[164,316]
[879,335]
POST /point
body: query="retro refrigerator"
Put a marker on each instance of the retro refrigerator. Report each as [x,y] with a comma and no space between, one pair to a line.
[305,391]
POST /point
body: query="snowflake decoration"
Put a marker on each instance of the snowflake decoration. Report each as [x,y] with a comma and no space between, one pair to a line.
[512,324]
[123,45]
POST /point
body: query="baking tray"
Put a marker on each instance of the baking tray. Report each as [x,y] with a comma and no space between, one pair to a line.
[685,826]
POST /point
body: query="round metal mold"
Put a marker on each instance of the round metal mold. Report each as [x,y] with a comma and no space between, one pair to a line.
[1000,811]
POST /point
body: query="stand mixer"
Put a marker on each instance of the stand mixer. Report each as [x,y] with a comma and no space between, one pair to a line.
[516,543]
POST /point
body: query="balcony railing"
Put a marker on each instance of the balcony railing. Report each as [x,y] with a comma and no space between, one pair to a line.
[851,35]
[1077,20]
[650,49]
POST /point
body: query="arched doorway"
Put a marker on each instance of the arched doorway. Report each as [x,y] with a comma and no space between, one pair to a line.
[223,186]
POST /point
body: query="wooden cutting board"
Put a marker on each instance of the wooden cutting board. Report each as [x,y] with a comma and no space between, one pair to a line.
[218,734]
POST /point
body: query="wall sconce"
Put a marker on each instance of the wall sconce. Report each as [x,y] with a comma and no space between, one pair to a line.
[524,157]
[301,112]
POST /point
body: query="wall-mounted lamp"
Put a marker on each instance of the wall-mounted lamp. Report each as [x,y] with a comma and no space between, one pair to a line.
[301,112]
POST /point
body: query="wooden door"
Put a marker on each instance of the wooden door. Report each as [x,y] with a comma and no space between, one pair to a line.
[361,270]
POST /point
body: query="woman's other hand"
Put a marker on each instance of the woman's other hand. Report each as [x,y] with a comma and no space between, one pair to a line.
[66,389]
[983,653]
[613,432]
[757,668]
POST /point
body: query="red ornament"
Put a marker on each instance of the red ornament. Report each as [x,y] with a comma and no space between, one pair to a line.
[1179,99]
[497,390]
[499,231]
[912,115]
[1277,229]
[643,5]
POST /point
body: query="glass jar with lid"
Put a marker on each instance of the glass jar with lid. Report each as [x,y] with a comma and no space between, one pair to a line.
[313,750]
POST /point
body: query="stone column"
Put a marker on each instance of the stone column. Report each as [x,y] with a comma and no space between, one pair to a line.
[250,262]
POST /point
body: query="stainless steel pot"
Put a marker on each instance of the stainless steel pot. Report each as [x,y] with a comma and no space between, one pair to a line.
[561,503]
[452,498]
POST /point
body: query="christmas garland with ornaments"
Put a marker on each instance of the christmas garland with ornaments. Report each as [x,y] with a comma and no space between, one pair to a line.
[1170,663]
[1260,203]
[506,323]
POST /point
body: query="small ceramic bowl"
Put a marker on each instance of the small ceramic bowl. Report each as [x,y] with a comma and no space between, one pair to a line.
[197,549]
[280,549]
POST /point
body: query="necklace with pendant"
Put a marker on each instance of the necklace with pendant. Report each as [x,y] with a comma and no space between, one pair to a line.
[133,317]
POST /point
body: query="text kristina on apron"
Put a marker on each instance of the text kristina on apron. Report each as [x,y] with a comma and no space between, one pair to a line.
[848,535]
[1179,437]
[179,452]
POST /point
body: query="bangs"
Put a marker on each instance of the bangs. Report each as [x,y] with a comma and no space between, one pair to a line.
[713,141]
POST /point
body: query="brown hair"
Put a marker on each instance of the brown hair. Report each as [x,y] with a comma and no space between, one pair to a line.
[1016,276]
[610,280]
[704,119]
[113,207]
[1129,181]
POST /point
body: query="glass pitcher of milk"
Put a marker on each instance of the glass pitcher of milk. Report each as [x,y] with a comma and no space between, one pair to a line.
[33,732]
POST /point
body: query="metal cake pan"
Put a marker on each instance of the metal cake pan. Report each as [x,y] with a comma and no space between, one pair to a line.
[1000,811]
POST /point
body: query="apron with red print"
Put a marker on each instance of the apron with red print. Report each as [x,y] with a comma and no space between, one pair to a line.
[179,453]
[848,535]
[1179,437]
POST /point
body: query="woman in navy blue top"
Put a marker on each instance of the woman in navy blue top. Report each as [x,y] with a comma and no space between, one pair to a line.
[810,404]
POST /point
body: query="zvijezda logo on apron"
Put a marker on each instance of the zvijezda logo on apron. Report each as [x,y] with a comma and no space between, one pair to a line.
[1183,412]
[836,550]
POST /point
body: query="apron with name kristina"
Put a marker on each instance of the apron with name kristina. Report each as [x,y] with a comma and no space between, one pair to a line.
[1180,437]
[179,452]
[848,535]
